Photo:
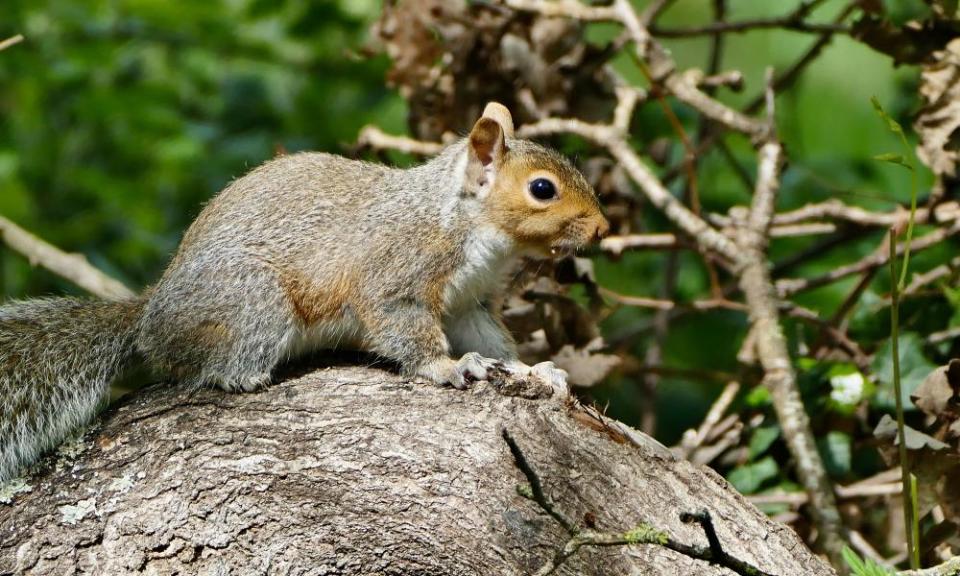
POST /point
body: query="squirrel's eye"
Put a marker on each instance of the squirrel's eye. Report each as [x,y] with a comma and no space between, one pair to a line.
[543,189]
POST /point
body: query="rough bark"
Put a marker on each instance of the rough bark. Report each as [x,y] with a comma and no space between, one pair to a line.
[356,471]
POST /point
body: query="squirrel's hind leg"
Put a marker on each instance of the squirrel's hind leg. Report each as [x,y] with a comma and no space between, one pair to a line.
[234,342]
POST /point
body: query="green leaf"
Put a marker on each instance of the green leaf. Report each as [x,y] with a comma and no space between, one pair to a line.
[836,450]
[892,158]
[953,298]
[853,561]
[761,439]
[758,397]
[861,567]
[914,368]
[748,478]
[891,123]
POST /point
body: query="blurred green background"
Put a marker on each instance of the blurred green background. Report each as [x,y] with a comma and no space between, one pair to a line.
[119,118]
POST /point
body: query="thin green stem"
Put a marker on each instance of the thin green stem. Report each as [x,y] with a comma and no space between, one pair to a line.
[913,210]
[908,510]
[915,527]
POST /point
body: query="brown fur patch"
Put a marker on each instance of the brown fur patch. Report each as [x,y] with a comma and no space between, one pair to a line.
[210,334]
[312,303]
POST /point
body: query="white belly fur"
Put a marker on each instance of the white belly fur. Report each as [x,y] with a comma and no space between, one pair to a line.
[342,334]
[487,254]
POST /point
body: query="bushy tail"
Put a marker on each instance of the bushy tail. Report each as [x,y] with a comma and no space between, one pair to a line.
[57,358]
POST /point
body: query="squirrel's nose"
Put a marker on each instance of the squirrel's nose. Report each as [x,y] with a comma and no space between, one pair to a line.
[603,228]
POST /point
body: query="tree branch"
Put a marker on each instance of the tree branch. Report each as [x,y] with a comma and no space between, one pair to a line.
[771,346]
[642,534]
[374,137]
[11,41]
[73,267]
[790,286]
[717,28]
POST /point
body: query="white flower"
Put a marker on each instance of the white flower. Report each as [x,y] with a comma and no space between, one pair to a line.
[847,388]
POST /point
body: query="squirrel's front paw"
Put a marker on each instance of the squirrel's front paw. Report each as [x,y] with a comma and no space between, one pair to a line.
[546,372]
[458,373]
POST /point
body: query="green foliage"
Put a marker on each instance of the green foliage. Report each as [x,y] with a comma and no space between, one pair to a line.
[836,450]
[863,567]
[761,439]
[749,478]
[914,367]
[904,161]
[121,118]
[646,534]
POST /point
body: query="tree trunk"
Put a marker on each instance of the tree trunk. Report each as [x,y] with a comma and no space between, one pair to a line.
[356,471]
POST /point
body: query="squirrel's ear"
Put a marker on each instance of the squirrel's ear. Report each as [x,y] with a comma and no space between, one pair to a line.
[487,144]
[487,147]
[498,112]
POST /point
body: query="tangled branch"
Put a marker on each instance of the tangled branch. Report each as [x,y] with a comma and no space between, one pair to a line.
[643,534]
[732,246]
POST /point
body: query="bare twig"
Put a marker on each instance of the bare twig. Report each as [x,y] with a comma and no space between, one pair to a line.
[920,281]
[786,78]
[782,81]
[617,244]
[73,267]
[13,40]
[535,492]
[637,301]
[716,28]
[837,210]
[653,11]
[771,346]
[566,8]
[866,490]
[943,335]
[806,229]
[692,439]
[685,87]
[851,492]
[839,337]
[949,568]
[860,544]
[642,534]
[662,304]
[795,20]
[788,287]
[373,137]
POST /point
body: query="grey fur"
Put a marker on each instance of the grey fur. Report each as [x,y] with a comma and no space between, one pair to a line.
[307,251]
[57,359]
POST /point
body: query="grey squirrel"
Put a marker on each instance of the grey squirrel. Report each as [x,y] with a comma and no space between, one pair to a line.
[311,251]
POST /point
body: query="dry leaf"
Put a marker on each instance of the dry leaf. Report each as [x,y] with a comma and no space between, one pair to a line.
[939,394]
[585,366]
[939,118]
[915,440]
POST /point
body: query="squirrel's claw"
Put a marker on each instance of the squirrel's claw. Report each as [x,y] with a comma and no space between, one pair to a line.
[555,377]
[546,372]
[471,367]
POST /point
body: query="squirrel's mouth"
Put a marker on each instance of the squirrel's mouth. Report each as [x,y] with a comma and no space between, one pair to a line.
[563,248]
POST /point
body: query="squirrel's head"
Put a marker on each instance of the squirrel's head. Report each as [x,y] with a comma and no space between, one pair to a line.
[531,193]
